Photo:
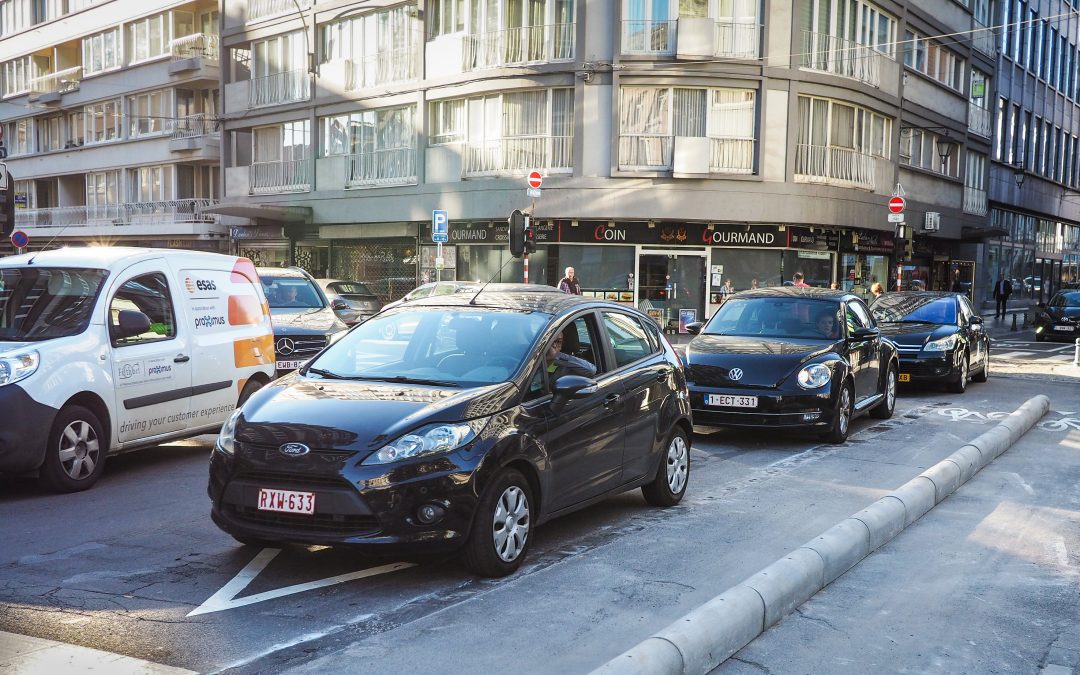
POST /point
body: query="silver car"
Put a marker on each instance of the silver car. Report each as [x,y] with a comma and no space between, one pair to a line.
[352,301]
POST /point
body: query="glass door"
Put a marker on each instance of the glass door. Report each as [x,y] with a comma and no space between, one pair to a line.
[671,287]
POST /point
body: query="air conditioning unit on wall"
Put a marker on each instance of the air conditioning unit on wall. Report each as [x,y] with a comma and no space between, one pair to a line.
[932,222]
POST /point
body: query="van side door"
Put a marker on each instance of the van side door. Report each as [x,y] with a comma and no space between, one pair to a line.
[152,370]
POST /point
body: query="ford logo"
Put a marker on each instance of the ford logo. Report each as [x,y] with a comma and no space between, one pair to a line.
[294,449]
[735,374]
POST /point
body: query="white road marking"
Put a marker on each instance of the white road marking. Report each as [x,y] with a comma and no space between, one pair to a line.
[1015,355]
[226,598]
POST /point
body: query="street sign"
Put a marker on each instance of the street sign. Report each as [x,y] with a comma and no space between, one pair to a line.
[896,217]
[3,176]
[896,205]
[532,192]
[535,179]
[440,227]
[19,239]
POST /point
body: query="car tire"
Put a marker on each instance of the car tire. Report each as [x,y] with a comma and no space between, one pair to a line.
[845,410]
[959,385]
[248,391]
[984,372]
[673,474]
[500,535]
[884,410]
[75,451]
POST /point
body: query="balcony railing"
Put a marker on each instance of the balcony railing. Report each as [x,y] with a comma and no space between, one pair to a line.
[975,201]
[833,165]
[199,45]
[525,44]
[649,37]
[287,176]
[983,39]
[650,152]
[197,125]
[60,82]
[979,120]
[838,56]
[737,39]
[143,126]
[258,9]
[731,155]
[397,65]
[392,166]
[133,213]
[285,87]
[519,154]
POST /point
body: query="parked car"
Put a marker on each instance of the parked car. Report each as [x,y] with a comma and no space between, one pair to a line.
[939,337]
[1061,320]
[789,357]
[303,320]
[352,301]
[1033,284]
[435,288]
[460,437]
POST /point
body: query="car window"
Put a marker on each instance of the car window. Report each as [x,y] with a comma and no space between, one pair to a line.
[291,293]
[966,311]
[627,338]
[915,308]
[421,292]
[148,294]
[852,320]
[350,288]
[780,317]
[863,313]
[39,303]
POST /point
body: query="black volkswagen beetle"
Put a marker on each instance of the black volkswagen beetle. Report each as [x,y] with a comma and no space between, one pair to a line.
[939,336]
[497,412]
[1060,319]
[791,357]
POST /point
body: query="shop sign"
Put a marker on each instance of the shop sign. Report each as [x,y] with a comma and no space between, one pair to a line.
[674,234]
[870,241]
[818,240]
[257,232]
[485,232]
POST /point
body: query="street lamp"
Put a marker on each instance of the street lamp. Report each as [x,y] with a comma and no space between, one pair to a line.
[945,147]
[1019,175]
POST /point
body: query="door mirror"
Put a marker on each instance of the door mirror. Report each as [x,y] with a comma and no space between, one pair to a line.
[976,320]
[573,386]
[338,303]
[694,327]
[864,333]
[131,323]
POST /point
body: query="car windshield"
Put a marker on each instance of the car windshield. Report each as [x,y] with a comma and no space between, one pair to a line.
[915,309]
[291,293]
[350,288]
[39,303]
[453,347]
[776,317]
[1066,300]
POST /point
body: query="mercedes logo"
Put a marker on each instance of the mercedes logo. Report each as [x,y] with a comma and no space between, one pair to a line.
[735,374]
[285,346]
[294,449]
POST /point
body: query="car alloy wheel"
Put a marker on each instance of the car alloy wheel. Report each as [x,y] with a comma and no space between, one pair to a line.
[76,451]
[959,386]
[677,464]
[499,539]
[510,525]
[844,410]
[79,450]
[884,410]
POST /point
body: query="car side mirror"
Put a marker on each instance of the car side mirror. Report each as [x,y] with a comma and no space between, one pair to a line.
[694,327]
[975,320]
[131,323]
[865,333]
[338,303]
[572,386]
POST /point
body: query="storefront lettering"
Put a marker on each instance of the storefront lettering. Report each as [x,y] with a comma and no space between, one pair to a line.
[719,238]
[469,235]
[603,233]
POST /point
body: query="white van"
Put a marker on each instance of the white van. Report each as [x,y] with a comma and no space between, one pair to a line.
[109,349]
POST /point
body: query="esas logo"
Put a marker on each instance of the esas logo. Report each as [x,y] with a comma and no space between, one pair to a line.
[199,285]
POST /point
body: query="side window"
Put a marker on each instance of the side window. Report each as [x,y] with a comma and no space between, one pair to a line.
[852,319]
[148,294]
[537,386]
[627,337]
[865,317]
[966,311]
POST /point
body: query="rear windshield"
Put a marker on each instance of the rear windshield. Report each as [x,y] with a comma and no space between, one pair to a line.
[39,303]
[915,309]
[779,317]
[350,288]
[291,293]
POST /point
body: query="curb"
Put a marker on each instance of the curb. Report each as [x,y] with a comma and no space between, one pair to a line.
[707,636]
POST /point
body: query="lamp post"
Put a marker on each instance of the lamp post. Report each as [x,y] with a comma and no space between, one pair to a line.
[1019,175]
[945,147]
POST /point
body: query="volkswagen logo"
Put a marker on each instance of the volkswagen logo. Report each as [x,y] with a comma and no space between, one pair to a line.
[735,374]
[294,449]
[285,346]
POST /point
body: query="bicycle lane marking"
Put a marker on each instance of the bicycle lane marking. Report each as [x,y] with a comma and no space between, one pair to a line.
[1064,422]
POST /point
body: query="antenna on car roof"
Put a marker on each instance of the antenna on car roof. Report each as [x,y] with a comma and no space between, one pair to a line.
[497,273]
[31,260]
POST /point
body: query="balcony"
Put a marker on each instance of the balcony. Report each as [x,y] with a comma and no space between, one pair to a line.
[975,201]
[195,132]
[737,39]
[49,88]
[198,46]
[285,87]
[832,165]
[646,152]
[397,65]
[731,155]
[837,56]
[112,219]
[979,120]
[260,9]
[392,166]
[520,154]
[275,177]
[983,39]
[649,37]
[515,46]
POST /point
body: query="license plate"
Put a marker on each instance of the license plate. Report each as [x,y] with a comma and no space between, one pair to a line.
[731,401]
[289,365]
[905,377]
[286,501]
[1065,329]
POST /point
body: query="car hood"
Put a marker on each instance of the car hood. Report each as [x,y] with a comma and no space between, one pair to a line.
[288,321]
[358,416]
[915,334]
[765,362]
[6,347]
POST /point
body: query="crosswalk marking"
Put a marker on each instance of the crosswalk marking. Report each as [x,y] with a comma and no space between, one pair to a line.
[1015,355]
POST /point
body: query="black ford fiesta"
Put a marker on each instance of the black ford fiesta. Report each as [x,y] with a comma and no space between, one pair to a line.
[491,414]
[791,357]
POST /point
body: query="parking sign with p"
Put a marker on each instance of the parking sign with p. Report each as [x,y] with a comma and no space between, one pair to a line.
[440,227]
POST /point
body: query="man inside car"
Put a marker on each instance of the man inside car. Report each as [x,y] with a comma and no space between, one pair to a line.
[826,325]
[560,363]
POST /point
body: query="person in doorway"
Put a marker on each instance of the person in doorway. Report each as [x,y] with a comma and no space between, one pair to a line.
[834,286]
[957,285]
[560,363]
[797,280]
[727,290]
[877,290]
[1002,290]
[754,283]
[569,283]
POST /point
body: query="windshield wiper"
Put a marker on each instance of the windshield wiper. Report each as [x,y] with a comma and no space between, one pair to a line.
[328,374]
[410,380]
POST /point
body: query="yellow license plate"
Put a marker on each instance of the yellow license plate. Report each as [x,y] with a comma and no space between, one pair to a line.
[905,377]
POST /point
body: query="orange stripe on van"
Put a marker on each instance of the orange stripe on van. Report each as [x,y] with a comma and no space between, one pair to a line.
[254,351]
[244,310]
[244,272]
[240,386]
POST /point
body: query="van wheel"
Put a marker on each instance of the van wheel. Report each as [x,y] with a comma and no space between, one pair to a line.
[248,391]
[76,451]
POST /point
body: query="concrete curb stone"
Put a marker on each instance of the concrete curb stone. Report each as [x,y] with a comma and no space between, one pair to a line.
[919,495]
[945,476]
[841,547]
[884,518]
[733,618]
[788,583]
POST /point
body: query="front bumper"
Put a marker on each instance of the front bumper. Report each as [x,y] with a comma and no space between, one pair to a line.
[919,368]
[25,432]
[792,409]
[1058,331]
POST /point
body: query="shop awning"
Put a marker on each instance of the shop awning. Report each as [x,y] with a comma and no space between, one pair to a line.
[281,214]
[969,233]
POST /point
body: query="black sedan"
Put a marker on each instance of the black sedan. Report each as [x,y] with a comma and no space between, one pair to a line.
[497,412]
[940,337]
[791,357]
[1060,319]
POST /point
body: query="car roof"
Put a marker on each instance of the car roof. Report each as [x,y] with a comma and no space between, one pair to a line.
[277,272]
[927,294]
[101,257]
[529,300]
[808,292]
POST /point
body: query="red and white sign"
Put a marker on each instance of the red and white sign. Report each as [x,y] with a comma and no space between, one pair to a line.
[897,204]
[535,179]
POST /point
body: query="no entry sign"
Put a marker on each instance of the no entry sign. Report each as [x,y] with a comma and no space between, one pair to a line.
[535,179]
[897,204]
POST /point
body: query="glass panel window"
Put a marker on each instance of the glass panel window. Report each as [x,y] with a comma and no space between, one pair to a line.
[931,59]
[856,20]
[151,183]
[102,121]
[447,121]
[148,294]
[150,113]
[19,136]
[627,338]
[101,52]
[17,74]
[148,38]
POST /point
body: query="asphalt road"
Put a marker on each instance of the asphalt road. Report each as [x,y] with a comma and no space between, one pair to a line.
[135,566]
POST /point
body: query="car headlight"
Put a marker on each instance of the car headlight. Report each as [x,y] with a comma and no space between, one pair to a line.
[18,367]
[430,440]
[226,440]
[942,345]
[814,376]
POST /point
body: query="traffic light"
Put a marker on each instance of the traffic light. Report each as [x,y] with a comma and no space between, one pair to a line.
[909,249]
[517,233]
[530,237]
[7,207]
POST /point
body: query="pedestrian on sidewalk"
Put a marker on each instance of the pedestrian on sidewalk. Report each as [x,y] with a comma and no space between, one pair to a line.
[1002,290]
[569,283]
[797,280]
[726,290]
[877,290]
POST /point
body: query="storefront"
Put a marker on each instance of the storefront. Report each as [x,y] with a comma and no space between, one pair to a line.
[865,259]
[264,245]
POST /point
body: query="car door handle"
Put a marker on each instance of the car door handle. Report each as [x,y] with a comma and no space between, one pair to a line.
[181,358]
[611,399]
[662,375]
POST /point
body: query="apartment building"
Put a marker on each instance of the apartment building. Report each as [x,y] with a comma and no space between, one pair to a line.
[109,112]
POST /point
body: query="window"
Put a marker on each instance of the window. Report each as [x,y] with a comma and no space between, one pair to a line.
[150,113]
[856,20]
[627,338]
[447,121]
[151,183]
[381,145]
[378,46]
[975,171]
[938,63]
[101,52]
[75,126]
[17,74]
[102,191]
[283,142]
[102,121]
[446,16]
[824,123]
[1026,35]
[19,136]
[279,54]
[520,130]
[148,38]
[148,294]
[575,340]
[919,148]
[50,135]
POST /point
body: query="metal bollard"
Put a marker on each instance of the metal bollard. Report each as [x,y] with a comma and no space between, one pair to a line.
[1014,322]
[1076,353]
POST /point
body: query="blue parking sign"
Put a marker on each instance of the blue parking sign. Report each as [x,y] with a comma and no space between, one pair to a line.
[440,226]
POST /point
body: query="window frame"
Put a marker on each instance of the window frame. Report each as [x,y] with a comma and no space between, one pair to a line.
[118,342]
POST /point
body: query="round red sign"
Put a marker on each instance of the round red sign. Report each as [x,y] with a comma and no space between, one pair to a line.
[897,204]
[535,179]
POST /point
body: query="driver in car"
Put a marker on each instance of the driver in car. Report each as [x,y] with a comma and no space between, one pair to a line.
[560,363]
[826,325]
